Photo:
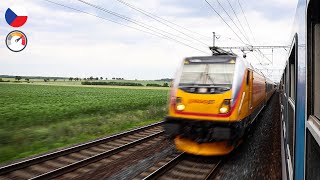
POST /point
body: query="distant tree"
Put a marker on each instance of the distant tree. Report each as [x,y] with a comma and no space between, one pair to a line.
[46,79]
[76,79]
[106,78]
[55,80]
[101,78]
[1,80]
[85,79]
[113,78]
[165,85]
[71,78]
[91,78]
[18,78]
[97,79]
[26,79]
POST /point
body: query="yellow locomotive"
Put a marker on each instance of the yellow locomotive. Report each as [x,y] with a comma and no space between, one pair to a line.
[212,102]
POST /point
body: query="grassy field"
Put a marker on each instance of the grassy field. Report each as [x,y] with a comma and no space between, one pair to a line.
[39,118]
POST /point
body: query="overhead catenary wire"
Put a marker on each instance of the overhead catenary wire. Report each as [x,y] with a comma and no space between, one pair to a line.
[234,12]
[159,19]
[259,60]
[263,55]
[84,12]
[232,21]
[154,34]
[142,24]
[245,17]
[150,15]
[233,40]
[170,22]
[224,21]
[259,51]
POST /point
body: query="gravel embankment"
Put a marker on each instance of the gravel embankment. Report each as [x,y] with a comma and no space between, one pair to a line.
[259,156]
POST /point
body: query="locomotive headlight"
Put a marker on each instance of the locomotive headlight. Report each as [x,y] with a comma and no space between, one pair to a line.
[180,107]
[224,110]
[225,107]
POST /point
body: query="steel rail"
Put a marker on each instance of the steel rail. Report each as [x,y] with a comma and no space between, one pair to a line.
[213,171]
[156,174]
[74,166]
[39,159]
[172,163]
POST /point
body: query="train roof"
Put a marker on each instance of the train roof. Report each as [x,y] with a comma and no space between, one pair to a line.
[211,59]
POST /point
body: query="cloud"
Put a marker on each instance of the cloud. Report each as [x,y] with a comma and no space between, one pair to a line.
[63,42]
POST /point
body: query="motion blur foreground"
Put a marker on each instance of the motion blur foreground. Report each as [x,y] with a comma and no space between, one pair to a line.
[199,129]
[213,101]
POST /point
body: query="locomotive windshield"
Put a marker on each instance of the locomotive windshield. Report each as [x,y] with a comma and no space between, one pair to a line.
[217,74]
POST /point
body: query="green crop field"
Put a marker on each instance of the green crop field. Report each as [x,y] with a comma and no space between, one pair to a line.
[38,118]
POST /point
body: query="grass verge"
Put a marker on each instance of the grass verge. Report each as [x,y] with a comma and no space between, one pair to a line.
[34,140]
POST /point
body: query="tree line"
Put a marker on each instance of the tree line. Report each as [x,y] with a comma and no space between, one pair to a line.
[46,79]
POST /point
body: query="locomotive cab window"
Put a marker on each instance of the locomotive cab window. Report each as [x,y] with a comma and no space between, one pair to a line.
[208,74]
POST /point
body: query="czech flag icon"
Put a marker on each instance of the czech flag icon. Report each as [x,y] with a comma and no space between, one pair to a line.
[16,16]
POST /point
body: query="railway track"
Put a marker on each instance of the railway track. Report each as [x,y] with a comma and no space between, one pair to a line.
[71,162]
[182,166]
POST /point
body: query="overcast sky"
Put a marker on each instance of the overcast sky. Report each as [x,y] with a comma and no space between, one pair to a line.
[64,42]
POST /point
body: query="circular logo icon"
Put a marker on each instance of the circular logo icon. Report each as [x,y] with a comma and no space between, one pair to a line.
[16,16]
[16,41]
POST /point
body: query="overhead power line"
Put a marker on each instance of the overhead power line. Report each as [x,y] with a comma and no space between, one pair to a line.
[251,48]
[156,18]
[233,21]
[170,22]
[84,12]
[257,49]
[141,24]
[246,21]
[263,55]
[144,25]
[154,34]
[234,12]
[228,38]
[224,21]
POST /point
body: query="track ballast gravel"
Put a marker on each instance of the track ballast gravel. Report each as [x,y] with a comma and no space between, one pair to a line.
[259,156]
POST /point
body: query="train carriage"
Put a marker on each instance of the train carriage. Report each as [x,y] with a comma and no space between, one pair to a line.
[300,99]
